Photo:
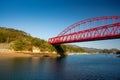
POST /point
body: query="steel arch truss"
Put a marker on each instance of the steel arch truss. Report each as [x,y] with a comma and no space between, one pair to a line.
[100,28]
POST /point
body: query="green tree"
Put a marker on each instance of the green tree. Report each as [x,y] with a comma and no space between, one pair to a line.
[18,45]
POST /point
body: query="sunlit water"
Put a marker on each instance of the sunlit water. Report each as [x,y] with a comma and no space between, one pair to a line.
[73,67]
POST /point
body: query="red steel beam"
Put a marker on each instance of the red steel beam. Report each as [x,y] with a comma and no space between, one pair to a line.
[106,31]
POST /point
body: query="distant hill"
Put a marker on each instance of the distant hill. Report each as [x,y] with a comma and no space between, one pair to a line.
[95,50]
[86,49]
[73,48]
[92,49]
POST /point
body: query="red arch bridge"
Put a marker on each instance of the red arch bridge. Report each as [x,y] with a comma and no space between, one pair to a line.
[99,28]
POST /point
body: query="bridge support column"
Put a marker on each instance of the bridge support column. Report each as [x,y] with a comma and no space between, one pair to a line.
[60,49]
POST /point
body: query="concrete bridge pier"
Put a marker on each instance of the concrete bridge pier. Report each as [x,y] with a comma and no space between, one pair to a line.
[61,49]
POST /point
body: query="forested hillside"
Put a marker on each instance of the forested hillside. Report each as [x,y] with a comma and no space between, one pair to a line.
[20,40]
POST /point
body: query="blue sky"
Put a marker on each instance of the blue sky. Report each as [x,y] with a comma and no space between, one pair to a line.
[47,18]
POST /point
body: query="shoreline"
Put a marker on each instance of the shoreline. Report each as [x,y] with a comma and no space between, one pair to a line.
[30,54]
[22,54]
[10,55]
[80,53]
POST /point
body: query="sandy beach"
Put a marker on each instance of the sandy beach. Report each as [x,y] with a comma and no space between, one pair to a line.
[3,55]
[10,55]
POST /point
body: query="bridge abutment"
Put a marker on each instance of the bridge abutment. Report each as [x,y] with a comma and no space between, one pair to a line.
[60,49]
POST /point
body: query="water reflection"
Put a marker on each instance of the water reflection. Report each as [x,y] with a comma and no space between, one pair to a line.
[57,68]
[6,69]
[78,67]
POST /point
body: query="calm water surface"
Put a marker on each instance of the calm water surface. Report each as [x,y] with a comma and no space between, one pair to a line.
[74,67]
